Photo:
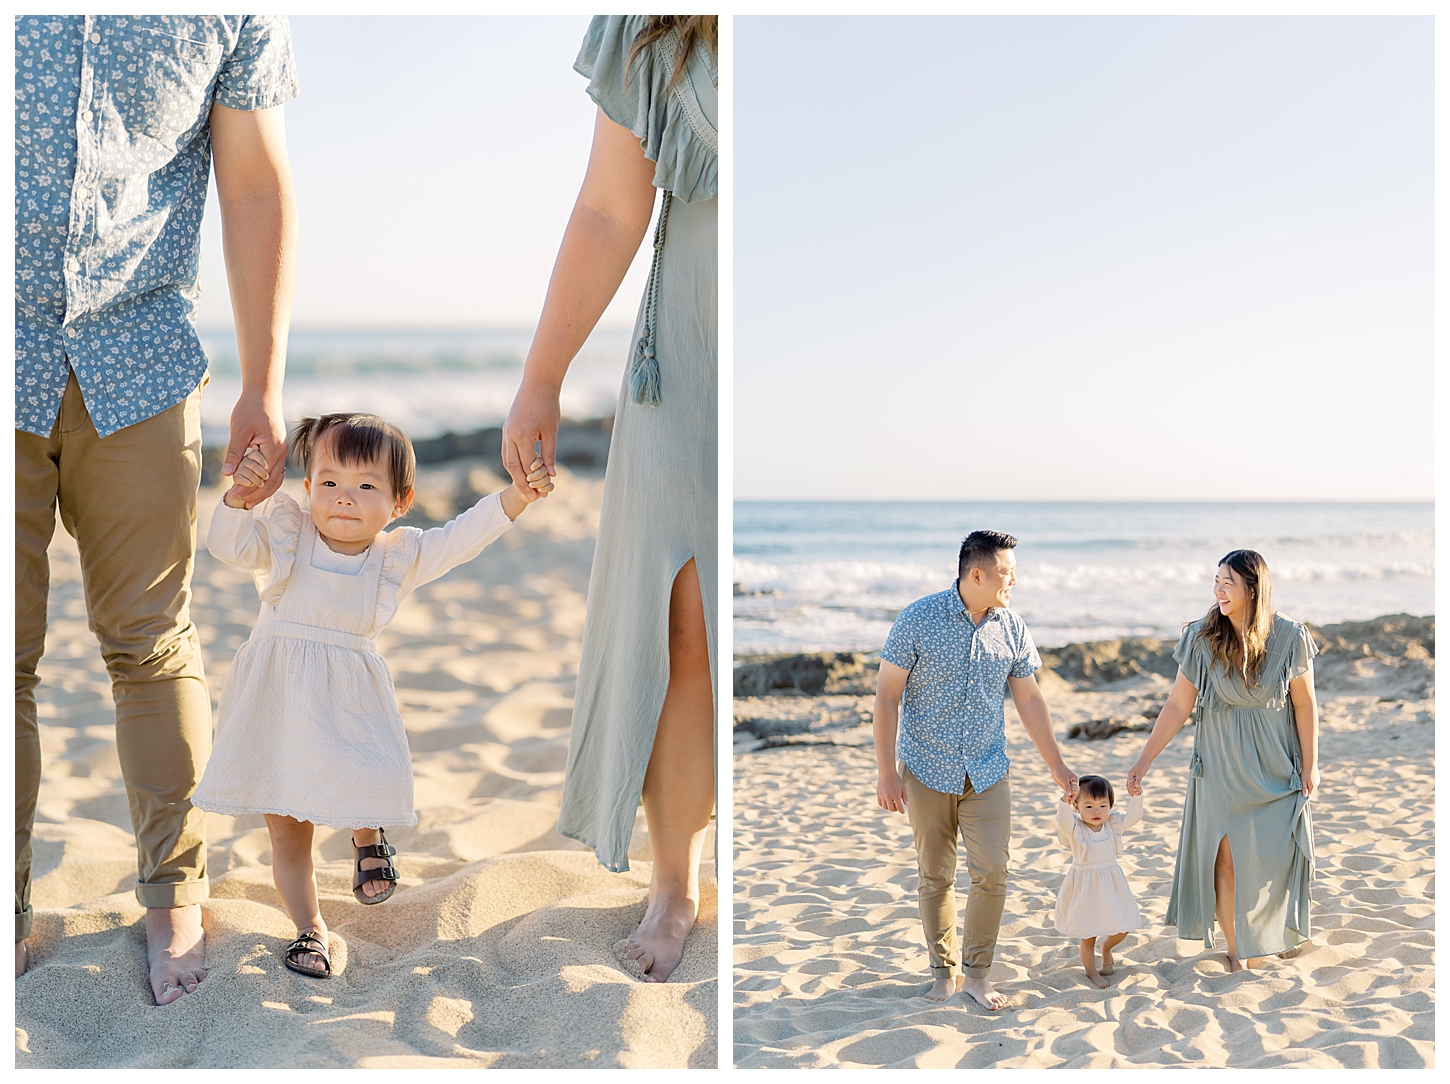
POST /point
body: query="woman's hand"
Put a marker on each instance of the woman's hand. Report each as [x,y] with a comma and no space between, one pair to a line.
[534,416]
[1311,780]
[1136,774]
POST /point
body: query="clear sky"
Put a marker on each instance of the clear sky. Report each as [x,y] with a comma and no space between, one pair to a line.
[1084,258]
[436,161]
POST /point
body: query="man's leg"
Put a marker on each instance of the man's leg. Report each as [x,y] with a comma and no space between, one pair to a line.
[986,824]
[130,502]
[933,817]
[36,480]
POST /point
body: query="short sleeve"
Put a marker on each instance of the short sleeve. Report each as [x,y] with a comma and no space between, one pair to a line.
[1028,662]
[900,649]
[1301,662]
[666,118]
[259,72]
[1191,656]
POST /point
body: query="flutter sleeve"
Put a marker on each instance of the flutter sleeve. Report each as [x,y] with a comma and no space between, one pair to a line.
[665,116]
[1302,660]
[1191,655]
[262,540]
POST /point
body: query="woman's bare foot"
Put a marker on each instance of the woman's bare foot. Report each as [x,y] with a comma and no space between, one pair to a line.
[367,837]
[22,958]
[983,993]
[175,951]
[943,987]
[658,944]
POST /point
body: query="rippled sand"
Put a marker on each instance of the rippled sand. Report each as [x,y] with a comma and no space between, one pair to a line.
[497,948]
[831,964]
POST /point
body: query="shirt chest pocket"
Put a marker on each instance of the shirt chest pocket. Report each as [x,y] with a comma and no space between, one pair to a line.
[158,85]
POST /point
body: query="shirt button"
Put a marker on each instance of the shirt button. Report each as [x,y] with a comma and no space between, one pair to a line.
[73,266]
[71,332]
[86,116]
[95,39]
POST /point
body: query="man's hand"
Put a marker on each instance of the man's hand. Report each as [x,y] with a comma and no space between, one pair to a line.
[257,424]
[1064,777]
[891,792]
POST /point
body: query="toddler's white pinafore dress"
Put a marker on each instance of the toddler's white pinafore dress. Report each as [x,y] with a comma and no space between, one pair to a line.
[309,725]
[1095,900]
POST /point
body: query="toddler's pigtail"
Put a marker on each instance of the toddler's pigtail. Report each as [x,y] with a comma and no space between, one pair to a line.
[301,443]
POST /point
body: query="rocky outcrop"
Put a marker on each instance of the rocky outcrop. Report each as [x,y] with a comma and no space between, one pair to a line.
[844,673]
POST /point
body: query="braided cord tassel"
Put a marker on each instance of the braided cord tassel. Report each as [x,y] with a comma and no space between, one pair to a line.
[644,369]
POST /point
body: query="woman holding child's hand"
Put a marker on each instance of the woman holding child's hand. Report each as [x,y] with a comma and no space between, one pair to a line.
[1249,673]
[644,715]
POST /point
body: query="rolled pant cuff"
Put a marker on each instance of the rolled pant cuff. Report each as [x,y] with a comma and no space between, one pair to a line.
[976,972]
[945,971]
[174,894]
[23,923]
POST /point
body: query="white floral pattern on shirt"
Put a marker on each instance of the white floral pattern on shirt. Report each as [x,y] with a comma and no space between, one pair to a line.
[112,158]
[953,727]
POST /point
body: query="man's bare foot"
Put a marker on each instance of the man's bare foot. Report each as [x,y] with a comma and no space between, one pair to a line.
[983,993]
[22,958]
[175,951]
[658,944]
[1096,978]
[943,987]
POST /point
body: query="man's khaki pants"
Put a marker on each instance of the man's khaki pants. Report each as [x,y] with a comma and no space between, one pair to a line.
[130,503]
[984,822]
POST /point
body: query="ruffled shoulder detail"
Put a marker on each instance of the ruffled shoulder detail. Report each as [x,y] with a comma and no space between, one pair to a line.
[401,546]
[284,528]
[1191,655]
[1300,648]
[673,130]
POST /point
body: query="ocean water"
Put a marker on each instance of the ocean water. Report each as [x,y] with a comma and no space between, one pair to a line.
[429,382]
[832,575]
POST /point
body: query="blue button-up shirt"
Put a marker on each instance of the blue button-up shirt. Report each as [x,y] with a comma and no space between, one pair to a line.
[112,156]
[952,723]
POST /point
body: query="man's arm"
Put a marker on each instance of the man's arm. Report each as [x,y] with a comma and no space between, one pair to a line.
[259,239]
[890,684]
[1032,710]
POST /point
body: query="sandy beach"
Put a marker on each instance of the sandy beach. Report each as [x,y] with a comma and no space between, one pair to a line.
[830,964]
[499,948]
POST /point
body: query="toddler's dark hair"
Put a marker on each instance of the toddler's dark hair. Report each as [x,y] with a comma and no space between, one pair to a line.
[358,438]
[1095,786]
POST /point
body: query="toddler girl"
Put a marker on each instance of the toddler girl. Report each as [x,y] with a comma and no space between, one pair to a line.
[309,731]
[1095,900]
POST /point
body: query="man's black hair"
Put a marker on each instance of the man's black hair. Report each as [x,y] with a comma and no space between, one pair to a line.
[980,549]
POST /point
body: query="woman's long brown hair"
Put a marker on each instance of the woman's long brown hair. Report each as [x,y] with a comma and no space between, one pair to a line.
[690,28]
[1218,630]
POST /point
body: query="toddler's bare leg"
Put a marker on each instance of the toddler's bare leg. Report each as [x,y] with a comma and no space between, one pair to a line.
[1108,943]
[296,881]
[1090,963]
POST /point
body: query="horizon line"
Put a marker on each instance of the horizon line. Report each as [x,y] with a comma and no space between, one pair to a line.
[1084,500]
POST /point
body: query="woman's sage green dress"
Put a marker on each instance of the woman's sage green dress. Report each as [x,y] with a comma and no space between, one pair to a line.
[1244,783]
[659,505]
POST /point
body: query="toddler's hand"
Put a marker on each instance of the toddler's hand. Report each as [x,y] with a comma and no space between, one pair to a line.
[251,474]
[540,484]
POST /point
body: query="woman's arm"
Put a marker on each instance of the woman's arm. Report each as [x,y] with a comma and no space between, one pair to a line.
[1170,721]
[604,233]
[1306,721]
